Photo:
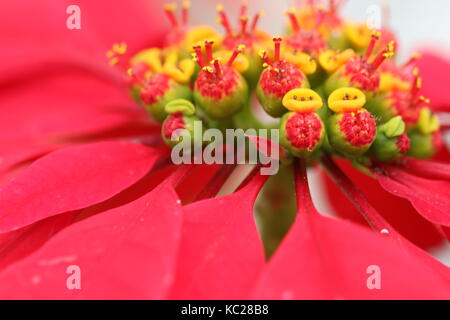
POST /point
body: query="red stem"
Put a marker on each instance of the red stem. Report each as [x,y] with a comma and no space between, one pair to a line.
[216,182]
[359,200]
[304,201]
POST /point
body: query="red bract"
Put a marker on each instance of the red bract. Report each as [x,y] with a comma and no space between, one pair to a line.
[431,198]
[399,212]
[56,83]
[128,252]
[436,71]
[71,179]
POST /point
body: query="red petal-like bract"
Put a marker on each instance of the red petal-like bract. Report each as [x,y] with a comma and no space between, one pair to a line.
[426,168]
[72,178]
[221,253]
[435,71]
[17,244]
[125,253]
[431,198]
[397,211]
[323,258]
[55,82]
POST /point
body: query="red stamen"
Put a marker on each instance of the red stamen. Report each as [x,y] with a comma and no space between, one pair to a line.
[320,17]
[217,68]
[244,21]
[198,52]
[255,20]
[224,21]
[169,9]
[411,60]
[266,59]
[416,85]
[373,41]
[332,6]
[294,22]
[185,12]
[209,50]
[277,42]
[359,200]
[304,201]
[379,59]
[243,10]
[233,57]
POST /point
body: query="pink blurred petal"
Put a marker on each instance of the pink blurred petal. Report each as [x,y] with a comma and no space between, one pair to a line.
[70,179]
[125,253]
[435,71]
[221,252]
[431,198]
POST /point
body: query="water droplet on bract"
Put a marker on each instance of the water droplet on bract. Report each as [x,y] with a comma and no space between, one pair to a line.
[384,231]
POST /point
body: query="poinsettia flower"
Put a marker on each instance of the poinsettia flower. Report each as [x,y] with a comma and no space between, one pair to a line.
[88,181]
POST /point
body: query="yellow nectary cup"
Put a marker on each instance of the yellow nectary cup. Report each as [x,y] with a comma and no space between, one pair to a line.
[302,100]
[346,99]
